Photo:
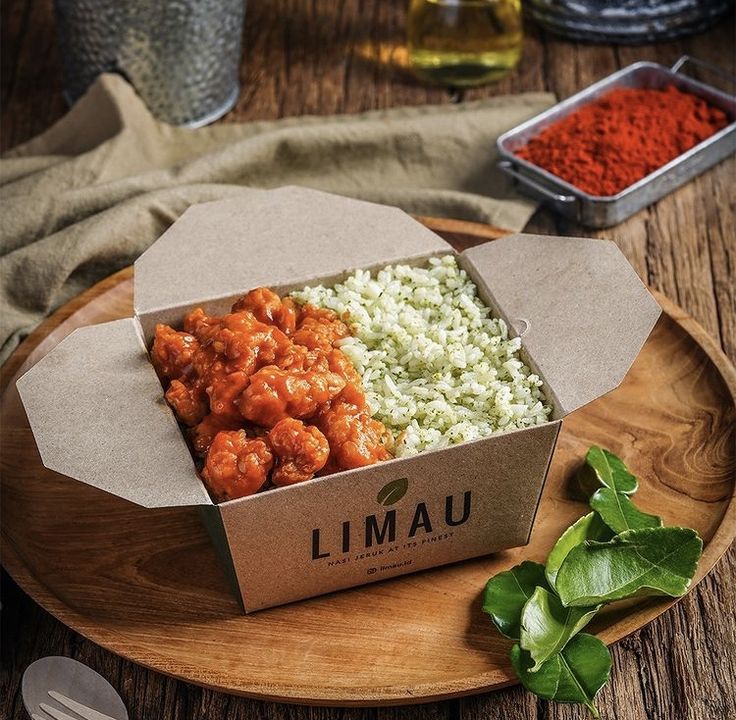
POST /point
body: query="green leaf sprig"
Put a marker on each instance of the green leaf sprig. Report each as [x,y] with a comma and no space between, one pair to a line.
[613,553]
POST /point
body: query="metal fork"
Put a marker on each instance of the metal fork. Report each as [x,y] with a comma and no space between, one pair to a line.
[84,712]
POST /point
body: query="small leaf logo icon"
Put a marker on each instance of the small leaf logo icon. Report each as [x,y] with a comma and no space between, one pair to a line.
[392,492]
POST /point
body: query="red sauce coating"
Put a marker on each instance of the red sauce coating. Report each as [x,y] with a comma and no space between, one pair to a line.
[266,395]
[319,328]
[236,465]
[300,450]
[274,394]
[202,434]
[269,308]
[188,401]
[172,352]
[355,438]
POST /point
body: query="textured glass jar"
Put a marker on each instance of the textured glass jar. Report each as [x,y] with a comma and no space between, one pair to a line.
[461,43]
[182,56]
[626,21]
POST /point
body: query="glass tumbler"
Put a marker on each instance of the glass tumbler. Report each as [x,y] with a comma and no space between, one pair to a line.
[461,43]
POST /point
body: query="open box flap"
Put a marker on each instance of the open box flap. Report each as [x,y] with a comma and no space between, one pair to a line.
[98,414]
[582,312]
[276,238]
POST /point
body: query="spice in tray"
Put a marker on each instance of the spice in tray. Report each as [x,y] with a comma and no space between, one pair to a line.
[622,137]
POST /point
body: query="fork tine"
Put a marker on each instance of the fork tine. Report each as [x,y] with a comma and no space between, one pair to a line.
[54,713]
[85,712]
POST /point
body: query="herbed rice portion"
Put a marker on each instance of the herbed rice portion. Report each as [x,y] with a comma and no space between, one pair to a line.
[436,367]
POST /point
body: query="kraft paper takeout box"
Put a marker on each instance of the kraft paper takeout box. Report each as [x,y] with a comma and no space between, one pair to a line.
[98,414]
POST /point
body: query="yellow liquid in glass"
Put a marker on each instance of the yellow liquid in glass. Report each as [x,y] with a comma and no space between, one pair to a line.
[464,42]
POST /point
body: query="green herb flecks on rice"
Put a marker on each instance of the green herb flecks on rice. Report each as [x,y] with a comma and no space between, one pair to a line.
[436,367]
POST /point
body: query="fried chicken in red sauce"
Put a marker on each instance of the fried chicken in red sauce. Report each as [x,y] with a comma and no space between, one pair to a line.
[269,308]
[236,465]
[248,342]
[338,362]
[267,395]
[319,328]
[188,402]
[224,393]
[173,352]
[201,325]
[300,451]
[202,434]
[355,438]
[274,394]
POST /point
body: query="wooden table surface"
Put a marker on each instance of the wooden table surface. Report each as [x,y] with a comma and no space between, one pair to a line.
[335,56]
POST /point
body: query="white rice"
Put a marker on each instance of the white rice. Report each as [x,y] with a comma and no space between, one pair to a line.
[437,368]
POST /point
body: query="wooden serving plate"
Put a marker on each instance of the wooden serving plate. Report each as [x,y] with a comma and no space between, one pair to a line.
[146,585]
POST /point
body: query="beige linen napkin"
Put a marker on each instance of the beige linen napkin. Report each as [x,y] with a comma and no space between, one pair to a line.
[92,193]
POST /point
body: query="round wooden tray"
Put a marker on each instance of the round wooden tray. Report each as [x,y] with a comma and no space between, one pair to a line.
[145,584]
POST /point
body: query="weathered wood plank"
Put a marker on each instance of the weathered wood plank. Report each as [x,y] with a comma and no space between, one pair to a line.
[332,56]
[34,100]
[717,223]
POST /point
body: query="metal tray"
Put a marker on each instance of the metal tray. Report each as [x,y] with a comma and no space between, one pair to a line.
[600,212]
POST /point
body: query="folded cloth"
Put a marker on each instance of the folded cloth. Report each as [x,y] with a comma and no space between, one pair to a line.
[89,195]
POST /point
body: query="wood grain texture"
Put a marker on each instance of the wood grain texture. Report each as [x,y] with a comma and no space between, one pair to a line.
[325,56]
[165,603]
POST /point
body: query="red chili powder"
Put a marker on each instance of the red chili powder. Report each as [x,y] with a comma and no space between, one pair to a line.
[623,136]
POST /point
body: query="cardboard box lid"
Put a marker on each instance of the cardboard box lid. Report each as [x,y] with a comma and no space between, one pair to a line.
[582,312]
[287,236]
[98,414]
